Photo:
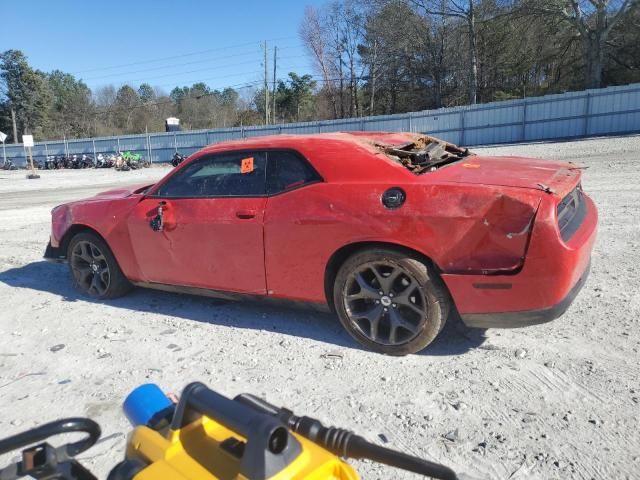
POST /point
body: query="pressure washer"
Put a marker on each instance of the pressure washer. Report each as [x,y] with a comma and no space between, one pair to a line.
[207,436]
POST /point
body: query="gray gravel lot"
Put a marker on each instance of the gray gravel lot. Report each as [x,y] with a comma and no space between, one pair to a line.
[560,400]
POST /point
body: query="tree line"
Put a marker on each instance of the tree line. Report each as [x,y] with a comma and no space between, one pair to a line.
[370,57]
[392,56]
[55,105]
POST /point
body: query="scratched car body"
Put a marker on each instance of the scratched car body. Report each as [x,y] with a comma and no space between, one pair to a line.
[392,231]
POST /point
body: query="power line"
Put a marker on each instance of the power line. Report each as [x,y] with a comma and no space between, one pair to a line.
[217,67]
[174,65]
[207,80]
[190,54]
[211,79]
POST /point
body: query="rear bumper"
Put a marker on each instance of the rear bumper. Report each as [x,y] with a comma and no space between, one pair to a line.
[528,317]
[553,273]
[54,254]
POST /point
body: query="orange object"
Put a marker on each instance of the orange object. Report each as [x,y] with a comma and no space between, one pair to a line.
[246,165]
[471,165]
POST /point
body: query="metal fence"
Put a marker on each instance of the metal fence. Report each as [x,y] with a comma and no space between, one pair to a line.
[608,111]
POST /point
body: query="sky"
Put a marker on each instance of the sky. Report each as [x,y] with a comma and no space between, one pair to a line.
[163,43]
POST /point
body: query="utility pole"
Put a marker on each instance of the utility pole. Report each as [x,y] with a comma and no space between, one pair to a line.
[15,129]
[266,86]
[273,110]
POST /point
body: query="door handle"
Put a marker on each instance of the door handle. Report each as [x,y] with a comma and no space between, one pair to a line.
[246,214]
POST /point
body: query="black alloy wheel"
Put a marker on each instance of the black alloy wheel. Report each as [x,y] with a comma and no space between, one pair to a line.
[391,301]
[90,268]
[385,303]
[94,268]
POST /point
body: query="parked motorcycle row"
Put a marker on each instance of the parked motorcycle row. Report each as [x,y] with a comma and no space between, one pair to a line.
[120,161]
[8,165]
[71,161]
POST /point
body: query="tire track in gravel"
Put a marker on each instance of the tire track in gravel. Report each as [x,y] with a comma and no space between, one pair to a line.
[34,198]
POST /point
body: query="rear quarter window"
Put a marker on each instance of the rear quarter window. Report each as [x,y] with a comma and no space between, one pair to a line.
[288,170]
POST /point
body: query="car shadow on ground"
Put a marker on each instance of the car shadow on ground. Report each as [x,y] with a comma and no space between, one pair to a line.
[43,276]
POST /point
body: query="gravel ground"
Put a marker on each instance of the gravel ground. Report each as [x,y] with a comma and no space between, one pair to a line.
[560,400]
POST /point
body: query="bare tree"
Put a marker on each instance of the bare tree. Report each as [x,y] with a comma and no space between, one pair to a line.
[351,38]
[313,33]
[593,21]
[333,35]
[465,10]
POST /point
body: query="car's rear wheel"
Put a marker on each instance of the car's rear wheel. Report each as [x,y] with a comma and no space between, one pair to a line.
[94,269]
[390,301]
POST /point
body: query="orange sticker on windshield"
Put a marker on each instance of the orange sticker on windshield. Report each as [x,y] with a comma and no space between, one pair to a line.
[471,165]
[246,165]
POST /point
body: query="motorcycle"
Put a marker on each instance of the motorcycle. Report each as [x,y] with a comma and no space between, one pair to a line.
[66,162]
[120,163]
[177,159]
[50,163]
[87,162]
[8,165]
[104,161]
[37,164]
[132,161]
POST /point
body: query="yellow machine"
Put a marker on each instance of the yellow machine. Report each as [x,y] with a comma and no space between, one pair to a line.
[208,459]
[207,436]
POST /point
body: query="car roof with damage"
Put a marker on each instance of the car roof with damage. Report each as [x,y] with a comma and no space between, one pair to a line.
[327,152]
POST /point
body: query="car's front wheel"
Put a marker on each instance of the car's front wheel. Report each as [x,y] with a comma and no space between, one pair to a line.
[94,269]
[390,301]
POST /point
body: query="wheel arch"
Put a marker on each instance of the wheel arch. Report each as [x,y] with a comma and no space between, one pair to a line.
[343,253]
[75,229]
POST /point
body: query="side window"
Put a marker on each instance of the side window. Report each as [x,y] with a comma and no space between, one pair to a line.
[233,174]
[288,170]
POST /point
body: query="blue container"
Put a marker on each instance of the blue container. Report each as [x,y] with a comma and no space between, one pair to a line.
[147,405]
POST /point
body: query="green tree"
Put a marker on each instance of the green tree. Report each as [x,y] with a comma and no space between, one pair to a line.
[179,93]
[294,99]
[71,111]
[26,93]
[146,93]
[126,102]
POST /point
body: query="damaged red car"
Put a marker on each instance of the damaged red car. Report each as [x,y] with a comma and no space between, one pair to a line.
[392,231]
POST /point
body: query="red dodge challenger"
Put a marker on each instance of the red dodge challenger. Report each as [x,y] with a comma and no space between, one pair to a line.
[392,231]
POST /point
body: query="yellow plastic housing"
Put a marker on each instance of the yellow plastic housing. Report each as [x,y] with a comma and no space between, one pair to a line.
[194,452]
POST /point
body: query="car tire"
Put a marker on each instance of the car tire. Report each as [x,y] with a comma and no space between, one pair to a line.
[390,301]
[94,269]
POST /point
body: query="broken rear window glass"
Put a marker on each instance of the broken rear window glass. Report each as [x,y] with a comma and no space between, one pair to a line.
[424,153]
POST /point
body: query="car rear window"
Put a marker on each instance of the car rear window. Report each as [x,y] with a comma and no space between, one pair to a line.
[423,153]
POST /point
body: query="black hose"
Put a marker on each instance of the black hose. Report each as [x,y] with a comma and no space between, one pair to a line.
[347,444]
[67,425]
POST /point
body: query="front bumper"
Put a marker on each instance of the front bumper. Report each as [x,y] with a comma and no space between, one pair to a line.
[528,317]
[54,254]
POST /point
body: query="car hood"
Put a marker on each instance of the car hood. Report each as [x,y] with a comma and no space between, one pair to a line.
[121,192]
[545,175]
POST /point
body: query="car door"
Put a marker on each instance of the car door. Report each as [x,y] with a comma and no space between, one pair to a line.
[203,227]
[296,230]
